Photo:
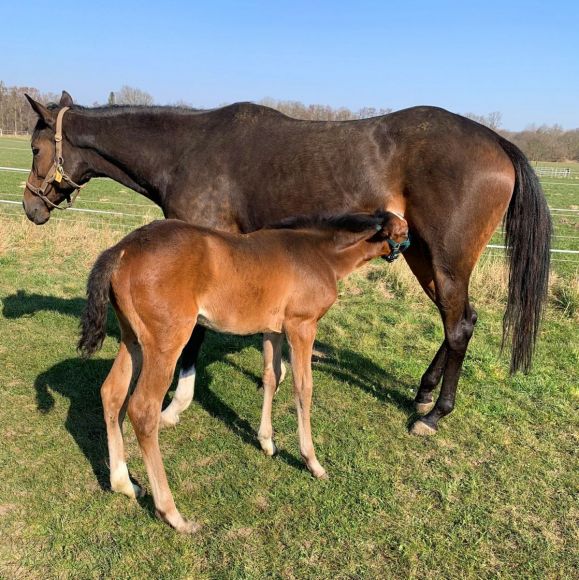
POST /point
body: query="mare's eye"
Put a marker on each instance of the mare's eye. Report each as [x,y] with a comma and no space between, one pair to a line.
[35,150]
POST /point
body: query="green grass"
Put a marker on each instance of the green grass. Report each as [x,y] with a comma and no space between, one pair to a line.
[494,494]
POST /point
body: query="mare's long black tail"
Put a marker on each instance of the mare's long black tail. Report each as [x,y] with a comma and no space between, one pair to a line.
[528,240]
[94,318]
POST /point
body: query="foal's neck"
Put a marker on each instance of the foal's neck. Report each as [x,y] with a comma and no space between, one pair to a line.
[346,255]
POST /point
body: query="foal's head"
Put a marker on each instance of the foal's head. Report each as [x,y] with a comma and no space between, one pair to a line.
[385,231]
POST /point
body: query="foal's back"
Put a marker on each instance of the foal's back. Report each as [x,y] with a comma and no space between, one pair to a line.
[241,284]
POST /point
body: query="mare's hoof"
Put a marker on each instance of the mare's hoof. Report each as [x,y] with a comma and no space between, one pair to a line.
[421,428]
[423,408]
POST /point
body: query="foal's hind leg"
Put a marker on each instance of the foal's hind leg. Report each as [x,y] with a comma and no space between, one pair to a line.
[114,395]
[272,374]
[145,412]
[186,385]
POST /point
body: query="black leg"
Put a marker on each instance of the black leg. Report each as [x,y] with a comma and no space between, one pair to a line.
[430,380]
[459,319]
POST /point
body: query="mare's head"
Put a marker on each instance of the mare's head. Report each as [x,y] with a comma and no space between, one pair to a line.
[57,166]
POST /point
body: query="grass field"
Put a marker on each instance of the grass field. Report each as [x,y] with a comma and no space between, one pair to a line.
[494,494]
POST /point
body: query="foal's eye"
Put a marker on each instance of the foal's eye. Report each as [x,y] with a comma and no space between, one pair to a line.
[35,150]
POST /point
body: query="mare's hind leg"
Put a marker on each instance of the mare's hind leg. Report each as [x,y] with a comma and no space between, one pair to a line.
[272,375]
[451,298]
[459,319]
[418,258]
[114,395]
[186,385]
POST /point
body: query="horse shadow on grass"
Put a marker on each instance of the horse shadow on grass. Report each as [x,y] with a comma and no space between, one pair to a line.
[79,381]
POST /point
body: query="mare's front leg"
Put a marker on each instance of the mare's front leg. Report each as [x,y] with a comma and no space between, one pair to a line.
[273,372]
[186,385]
[301,338]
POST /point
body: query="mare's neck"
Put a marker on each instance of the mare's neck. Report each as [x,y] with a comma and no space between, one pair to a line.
[136,147]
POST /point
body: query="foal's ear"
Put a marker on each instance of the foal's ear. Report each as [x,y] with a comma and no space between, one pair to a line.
[65,100]
[43,113]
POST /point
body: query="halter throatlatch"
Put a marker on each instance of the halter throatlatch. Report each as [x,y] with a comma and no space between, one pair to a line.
[395,247]
[56,171]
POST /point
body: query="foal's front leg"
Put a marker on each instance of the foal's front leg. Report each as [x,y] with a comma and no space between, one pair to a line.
[273,372]
[186,385]
[301,338]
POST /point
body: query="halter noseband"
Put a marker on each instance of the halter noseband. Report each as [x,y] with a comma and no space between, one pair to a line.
[56,171]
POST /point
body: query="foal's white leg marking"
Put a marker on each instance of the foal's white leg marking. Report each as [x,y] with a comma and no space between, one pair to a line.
[182,398]
[282,375]
[121,482]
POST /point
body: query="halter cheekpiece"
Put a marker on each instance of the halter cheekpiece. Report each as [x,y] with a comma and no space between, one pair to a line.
[56,171]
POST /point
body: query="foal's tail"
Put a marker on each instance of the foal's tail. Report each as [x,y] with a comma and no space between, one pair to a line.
[528,240]
[94,318]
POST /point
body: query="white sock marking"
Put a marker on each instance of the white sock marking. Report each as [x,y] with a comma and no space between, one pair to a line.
[183,396]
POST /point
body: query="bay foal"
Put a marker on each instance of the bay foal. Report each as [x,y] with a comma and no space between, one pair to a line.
[166,277]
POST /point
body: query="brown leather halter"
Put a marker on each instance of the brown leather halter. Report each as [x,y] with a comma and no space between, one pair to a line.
[56,171]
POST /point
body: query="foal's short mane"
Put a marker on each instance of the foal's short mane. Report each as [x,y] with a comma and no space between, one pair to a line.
[351,222]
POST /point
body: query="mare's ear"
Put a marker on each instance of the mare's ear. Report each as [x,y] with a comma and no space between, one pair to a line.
[43,113]
[65,100]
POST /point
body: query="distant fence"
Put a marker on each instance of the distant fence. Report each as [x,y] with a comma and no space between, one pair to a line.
[3,132]
[543,171]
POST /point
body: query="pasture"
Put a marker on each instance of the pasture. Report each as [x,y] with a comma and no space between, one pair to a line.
[494,493]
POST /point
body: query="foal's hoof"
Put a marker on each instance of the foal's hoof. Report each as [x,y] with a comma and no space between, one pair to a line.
[423,408]
[168,420]
[188,527]
[129,489]
[268,447]
[322,475]
[421,428]
[179,523]
[318,471]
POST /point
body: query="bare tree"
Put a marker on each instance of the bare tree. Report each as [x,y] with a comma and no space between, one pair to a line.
[133,96]
[492,120]
[316,112]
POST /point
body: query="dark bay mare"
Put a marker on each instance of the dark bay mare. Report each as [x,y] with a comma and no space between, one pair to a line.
[244,166]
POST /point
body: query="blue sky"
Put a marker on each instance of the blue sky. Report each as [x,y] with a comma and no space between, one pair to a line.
[519,58]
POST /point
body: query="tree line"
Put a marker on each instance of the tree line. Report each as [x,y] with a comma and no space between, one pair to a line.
[540,143]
